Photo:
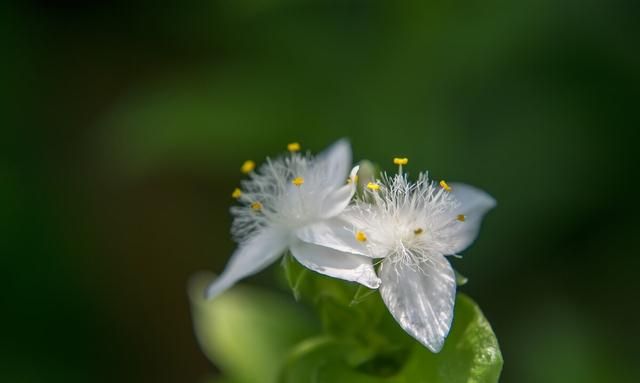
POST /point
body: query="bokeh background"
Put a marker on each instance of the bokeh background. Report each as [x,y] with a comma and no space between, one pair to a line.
[125,123]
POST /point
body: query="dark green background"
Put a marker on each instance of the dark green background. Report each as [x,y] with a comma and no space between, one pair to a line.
[125,123]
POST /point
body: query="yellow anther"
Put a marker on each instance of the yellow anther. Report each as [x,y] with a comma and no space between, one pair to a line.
[298,181]
[257,206]
[355,178]
[445,186]
[236,193]
[400,161]
[361,236]
[418,231]
[248,166]
[293,147]
[373,186]
[461,217]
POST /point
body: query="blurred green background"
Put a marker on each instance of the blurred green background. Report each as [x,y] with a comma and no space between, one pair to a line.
[125,123]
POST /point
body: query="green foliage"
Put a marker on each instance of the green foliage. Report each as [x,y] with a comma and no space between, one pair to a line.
[258,337]
[247,332]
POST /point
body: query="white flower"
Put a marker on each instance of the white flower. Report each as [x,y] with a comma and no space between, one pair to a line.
[411,227]
[283,197]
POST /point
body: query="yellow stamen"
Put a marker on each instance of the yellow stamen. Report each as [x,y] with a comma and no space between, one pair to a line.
[248,166]
[361,236]
[355,179]
[445,186]
[418,231]
[461,217]
[257,206]
[298,181]
[373,186]
[293,147]
[236,193]
[400,161]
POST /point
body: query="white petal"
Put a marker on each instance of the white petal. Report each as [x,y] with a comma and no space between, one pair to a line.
[250,258]
[421,301]
[334,233]
[333,163]
[474,204]
[350,267]
[335,202]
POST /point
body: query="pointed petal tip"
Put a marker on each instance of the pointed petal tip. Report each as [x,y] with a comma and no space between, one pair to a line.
[209,292]
[435,347]
[375,284]
[435,344]
[199,284]
[248,259]
[215,288]
[340,145]
[422,303]
[342,141]
[492,202]
[471,195]
[368,277]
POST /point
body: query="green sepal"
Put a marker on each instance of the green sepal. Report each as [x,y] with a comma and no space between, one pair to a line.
[461,280]
[295,274]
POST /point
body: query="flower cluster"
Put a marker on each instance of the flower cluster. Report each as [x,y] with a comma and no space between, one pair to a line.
[394,236]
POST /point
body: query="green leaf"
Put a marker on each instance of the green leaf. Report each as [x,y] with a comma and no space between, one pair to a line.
[324,359]
[470,354]
[344,308]
[247,332]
